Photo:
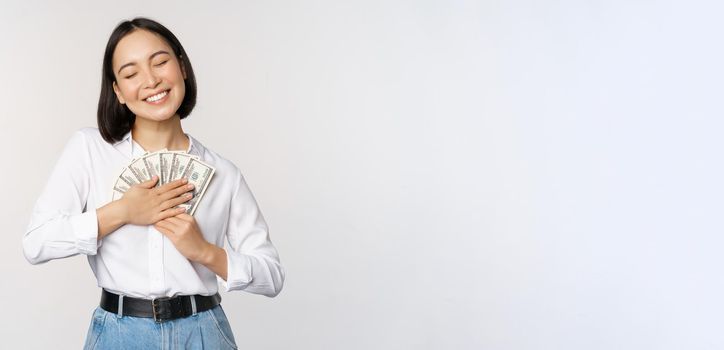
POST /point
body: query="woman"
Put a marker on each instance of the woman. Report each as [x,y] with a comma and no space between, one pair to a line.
[157,265]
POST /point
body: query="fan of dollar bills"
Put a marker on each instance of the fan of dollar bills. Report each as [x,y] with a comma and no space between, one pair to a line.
[168,166]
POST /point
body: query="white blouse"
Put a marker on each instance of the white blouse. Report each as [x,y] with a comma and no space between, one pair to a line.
[139,261]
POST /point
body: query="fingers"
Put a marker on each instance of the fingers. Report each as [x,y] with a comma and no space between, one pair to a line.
[185,217]
[171,212]
[164,224]
[149,183]
[163,228]
[171,185]
[176,224]
[170,203]
[176,221]
[177,191]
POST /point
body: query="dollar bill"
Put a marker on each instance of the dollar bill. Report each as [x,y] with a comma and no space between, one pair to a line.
[199,174]
[179,161]
[153,166]
[139,169]
[167,166]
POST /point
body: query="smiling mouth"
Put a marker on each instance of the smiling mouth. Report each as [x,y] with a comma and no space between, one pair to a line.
[157,98]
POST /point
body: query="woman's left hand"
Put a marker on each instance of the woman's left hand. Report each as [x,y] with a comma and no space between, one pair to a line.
[185,234]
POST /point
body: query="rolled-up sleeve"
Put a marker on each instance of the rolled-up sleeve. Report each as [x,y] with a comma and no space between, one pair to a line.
[59,224]
[253,262]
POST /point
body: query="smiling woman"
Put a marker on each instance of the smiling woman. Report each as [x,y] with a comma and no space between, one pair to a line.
[158,266]
[142,60]
[151,80]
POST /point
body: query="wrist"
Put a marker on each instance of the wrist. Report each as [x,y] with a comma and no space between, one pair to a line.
[120,210]
[109,217]
[208,254]
[214,258]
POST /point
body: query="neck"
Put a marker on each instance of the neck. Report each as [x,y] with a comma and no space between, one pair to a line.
[156,135]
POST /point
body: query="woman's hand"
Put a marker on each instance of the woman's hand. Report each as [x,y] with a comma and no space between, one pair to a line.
[186,236]
[146,205]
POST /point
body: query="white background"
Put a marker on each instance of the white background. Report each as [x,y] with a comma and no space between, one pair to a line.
[435,174]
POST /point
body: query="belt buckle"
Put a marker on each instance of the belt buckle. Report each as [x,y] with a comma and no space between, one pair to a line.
[154,305]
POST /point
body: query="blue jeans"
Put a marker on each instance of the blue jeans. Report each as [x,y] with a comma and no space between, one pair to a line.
[205,330]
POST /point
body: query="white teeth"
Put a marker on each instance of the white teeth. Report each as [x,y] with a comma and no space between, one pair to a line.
[157,97]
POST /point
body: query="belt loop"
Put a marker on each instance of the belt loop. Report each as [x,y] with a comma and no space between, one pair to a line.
[120,306]
[193,305]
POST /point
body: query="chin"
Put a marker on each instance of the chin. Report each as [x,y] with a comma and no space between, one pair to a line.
[156,117]
[157,114]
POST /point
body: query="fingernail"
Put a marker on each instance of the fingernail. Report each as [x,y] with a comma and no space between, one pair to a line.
[190,186]
[185,180]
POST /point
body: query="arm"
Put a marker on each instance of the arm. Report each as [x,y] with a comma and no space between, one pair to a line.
[59,225]
[252,261]
[110,217]
[215,260]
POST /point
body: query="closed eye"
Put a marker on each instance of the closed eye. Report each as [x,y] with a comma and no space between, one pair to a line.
[131,76]
[162,63]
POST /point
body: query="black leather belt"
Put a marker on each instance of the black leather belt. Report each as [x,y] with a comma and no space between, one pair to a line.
[160,309]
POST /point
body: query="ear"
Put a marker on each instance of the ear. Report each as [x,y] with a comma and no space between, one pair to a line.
[118,94]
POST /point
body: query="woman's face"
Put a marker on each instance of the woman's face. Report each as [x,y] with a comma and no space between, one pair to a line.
[149,76]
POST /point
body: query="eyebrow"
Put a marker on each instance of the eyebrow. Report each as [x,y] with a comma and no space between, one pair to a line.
[149,58]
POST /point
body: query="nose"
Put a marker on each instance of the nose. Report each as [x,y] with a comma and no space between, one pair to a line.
[152,80]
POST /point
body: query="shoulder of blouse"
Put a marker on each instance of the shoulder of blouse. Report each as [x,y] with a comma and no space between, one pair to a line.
[91,133]
[216,160]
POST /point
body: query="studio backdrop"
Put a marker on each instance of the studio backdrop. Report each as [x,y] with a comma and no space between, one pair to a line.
[435,174]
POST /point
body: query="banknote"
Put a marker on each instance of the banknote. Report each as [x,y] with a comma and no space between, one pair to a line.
[125,180]
[168,166]
[199,174]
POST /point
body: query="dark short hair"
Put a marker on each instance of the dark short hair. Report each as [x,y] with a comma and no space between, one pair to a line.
[114,118]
